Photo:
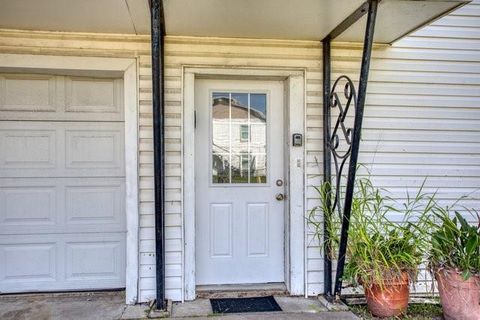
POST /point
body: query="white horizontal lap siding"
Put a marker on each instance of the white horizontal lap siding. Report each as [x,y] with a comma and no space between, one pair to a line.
[422,114]
[433,76]
[173,192]
[180,51]
[214,52]
[114,46]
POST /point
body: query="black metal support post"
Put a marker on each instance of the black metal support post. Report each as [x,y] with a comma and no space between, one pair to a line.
[330,143]
[357,128]
[158,31]
[351,19]
[327,166]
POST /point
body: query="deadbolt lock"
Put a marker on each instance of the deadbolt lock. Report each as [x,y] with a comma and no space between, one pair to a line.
[279,182]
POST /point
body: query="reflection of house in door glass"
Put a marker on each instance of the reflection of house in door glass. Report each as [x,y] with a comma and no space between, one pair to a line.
[239,135]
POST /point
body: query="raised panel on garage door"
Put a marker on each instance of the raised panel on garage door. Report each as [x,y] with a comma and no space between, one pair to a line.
[59,205]
[60,98]
[61,149]
[62,183]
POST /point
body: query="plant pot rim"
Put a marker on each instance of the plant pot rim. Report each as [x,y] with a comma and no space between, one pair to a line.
[438,269]
[402,278]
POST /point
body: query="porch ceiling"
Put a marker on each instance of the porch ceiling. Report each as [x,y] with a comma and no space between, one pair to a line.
[105,16]
[269,19]
[299,19]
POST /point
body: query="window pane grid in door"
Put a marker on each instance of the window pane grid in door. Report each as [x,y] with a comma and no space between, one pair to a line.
[238,138]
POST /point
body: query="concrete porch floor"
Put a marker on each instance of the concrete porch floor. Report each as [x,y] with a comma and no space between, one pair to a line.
[110,306]
[293,308]
[78,305]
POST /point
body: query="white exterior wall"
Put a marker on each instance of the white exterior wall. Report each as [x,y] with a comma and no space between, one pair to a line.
[422,115]
[182,51]
[97,45]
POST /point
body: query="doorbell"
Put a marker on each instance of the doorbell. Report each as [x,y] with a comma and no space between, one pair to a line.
[297,140]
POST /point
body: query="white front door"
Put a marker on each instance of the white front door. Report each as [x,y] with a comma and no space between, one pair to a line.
[239,173]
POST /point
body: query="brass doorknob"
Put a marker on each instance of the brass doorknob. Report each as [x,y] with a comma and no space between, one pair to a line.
[279,196]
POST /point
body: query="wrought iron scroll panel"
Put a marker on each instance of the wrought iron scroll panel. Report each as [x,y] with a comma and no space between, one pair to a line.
[344,102]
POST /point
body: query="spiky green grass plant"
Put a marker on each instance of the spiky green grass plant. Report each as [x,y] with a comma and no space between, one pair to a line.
[379,250]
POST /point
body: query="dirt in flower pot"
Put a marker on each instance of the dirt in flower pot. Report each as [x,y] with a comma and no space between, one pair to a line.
[389,299]
[460,298]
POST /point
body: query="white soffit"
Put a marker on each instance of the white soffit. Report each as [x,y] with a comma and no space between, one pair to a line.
[398,18]
[299,19]
[103,16]
[267,19]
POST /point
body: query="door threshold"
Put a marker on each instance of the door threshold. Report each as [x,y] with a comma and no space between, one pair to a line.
[241,290]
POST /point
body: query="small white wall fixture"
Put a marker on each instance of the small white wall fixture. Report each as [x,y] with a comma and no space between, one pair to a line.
[295,222]
[93,66]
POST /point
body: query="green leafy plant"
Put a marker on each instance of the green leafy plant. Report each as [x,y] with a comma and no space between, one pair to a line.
[324,213]
[379,249]
[455,243]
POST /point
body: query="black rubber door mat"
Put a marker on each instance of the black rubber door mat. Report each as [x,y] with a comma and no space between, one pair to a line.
[239,305]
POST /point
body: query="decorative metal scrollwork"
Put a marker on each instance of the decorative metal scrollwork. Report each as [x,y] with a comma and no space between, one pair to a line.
[343,102]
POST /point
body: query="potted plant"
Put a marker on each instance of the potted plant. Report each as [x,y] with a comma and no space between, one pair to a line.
[455,262]
[382,255]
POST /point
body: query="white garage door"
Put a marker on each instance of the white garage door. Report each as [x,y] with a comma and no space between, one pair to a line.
[62,183]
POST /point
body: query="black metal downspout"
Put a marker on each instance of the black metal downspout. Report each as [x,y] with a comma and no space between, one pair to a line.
[357,128]
[158,31]
[327,165]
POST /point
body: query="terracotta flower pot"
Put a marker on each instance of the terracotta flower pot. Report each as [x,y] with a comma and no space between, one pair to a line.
[389,300]
[460,298]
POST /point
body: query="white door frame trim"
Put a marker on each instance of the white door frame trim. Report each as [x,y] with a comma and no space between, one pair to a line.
[119,67]
[294,80]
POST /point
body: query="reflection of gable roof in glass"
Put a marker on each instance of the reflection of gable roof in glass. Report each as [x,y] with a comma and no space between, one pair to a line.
[239,109]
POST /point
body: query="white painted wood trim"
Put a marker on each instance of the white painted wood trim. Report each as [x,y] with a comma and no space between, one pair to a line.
[305,189]
[78,65]
[126,68]
[131,178]
[189,183]
[295,84]
[296,173]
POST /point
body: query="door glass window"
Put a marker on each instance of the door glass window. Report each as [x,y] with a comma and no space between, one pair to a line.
[239,138]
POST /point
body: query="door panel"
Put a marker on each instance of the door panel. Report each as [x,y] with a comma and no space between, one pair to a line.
[70,261]
[60,98]
[239,155]
[61,149]
[62,183]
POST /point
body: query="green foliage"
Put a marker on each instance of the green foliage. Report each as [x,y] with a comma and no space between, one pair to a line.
[379,249]
[455,244]
[332,221]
